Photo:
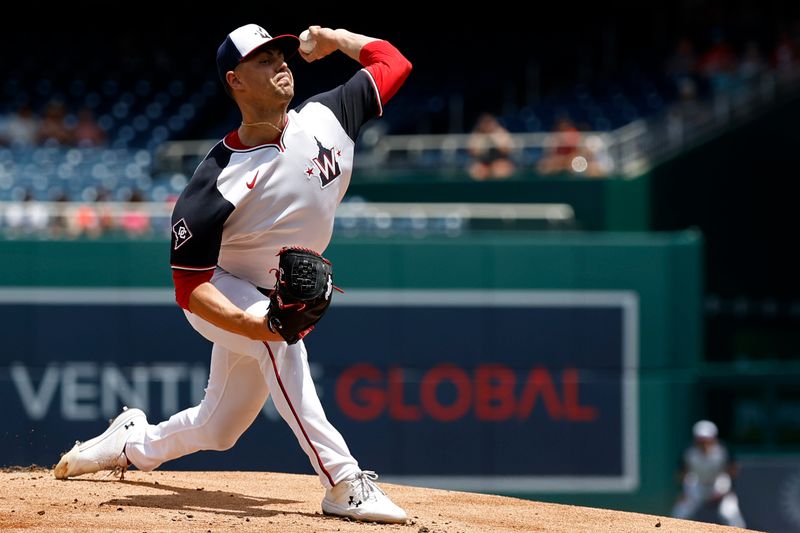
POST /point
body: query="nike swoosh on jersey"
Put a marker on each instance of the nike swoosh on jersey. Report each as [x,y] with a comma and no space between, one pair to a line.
[252,183]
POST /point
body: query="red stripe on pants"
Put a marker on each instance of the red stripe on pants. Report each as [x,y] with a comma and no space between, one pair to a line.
[297,418]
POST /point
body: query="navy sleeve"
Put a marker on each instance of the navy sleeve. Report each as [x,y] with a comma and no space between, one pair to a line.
[354,103]
[199,216]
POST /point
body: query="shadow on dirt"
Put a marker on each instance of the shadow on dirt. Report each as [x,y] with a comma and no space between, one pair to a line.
[219,502]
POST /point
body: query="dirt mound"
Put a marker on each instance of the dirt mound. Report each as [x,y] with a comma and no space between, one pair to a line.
[33,500]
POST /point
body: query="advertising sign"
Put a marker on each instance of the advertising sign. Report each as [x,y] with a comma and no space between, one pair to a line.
[464,389]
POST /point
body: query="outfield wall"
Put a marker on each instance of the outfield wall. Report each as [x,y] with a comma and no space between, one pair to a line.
[555,366]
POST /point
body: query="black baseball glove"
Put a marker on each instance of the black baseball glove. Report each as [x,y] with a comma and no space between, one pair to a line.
[302,293]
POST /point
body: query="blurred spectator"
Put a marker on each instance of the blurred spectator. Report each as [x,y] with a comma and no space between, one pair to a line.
[689,104]
[59,225]
[785,54]
[87,131]
[490,146]
[752,64]
[135,221]
[20,128]
[562,147]
[682,65]
[687,112]
[718,64]
[568,150]
[26,217]
[53,128]
[105,216]
[599,162]
[707,478]
[84,221]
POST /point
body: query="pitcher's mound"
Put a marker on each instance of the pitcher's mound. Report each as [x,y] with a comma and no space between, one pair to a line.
[33,500]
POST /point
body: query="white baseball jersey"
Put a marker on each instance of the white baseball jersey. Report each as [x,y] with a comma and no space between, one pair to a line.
[244,204]
[707,467]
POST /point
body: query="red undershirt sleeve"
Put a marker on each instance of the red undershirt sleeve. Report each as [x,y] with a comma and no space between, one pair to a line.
[186,281]
[388,67]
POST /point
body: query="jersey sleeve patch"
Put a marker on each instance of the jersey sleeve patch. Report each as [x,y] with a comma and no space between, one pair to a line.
[199,215]
[182,233]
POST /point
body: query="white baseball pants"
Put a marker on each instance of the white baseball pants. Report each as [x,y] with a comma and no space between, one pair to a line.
[243,374]
[696,496]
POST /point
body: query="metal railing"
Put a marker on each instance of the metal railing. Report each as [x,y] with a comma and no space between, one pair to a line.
[152,219]
[625,152]
[444,151]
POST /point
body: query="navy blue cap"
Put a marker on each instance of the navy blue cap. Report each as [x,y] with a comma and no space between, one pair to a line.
[245,40]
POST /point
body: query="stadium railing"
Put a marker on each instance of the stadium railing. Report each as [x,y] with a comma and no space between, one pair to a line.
[153,219]
[624,152]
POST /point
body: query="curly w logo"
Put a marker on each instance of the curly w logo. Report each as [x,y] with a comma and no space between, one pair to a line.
[327,164]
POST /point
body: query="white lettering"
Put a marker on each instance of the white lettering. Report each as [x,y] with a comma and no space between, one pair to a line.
[73,392]
[116,390]
[36,403]
[90,391]
[169,375]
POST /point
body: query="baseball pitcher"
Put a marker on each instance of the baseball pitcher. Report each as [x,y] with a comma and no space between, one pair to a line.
[247,237]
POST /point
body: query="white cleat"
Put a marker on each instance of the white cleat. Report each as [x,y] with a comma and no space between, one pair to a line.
[359,498]
[104,452]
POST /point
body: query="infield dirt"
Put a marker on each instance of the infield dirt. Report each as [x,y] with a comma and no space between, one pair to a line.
[31,499]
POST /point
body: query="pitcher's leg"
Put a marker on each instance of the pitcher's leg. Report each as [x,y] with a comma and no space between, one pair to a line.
[295,397]
[235,395]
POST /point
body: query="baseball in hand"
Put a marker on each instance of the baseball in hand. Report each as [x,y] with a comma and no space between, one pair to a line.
[307,42]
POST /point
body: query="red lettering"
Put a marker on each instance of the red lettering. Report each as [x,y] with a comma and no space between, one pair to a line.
[371,400]
[539,382]
[364,393]
[494,392]
[397,409]
[572,408]
[430,403]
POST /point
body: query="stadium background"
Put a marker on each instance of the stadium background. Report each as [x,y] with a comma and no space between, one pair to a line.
[695,244]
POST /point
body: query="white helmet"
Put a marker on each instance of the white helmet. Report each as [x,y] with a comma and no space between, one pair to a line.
[704,429]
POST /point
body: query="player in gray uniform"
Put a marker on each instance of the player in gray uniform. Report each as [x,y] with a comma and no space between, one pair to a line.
[707,477]
[274,181]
